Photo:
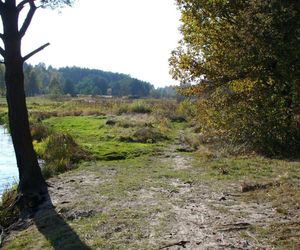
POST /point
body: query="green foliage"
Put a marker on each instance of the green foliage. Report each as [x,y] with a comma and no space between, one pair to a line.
[148,135]
[60,152]
[139,107]
[8,214]
[39,79]
[68,88]
[187,108]
[164,92]
[3,118]
[55,88]
[56,3]
[135,107]
[244,60]
[98,82]
[39,131]
[32,82]
[97,138]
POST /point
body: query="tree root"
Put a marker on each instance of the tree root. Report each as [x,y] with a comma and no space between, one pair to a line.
[28,204]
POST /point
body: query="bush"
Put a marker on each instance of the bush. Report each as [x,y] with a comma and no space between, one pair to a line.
[60,152]
[139,108]
[124,109]
[56,167]
[261,122]
[8,215]
[42,115]
[3,118]
[39,131]
[148,135]
[187,109]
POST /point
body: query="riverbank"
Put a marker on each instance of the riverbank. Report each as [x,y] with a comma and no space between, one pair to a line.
[8,165]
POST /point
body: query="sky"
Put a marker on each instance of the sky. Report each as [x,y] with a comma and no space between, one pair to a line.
[133,37]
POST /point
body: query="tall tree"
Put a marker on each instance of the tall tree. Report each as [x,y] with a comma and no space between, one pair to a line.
[31,182]
[55,88]
[31,81]
[244,57]
[68,87]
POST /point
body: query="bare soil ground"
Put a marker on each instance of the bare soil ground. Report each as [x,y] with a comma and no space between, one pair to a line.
[189,217]
[151,204]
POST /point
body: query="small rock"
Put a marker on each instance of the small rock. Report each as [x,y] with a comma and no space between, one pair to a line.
[223,198]
[111,122]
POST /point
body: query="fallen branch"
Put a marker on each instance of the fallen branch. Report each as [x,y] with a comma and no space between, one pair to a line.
[181,243]
[234,227]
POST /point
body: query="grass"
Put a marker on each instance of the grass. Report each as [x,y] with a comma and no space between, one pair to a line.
[129,168]
[126,208]
[101,140]
[8,215]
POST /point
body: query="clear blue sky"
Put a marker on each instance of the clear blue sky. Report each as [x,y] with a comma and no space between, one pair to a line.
[127,36]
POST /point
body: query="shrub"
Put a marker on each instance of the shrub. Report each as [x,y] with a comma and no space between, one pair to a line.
[187,108]
[60,152]
[3,118]
[265,125]
[127,123]
[42,115]
[39,131]
[56,167]
[139,108]
[148,135]
[8,215]
[124,109]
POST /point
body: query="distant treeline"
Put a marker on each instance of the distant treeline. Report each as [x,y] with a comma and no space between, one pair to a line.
[40,80]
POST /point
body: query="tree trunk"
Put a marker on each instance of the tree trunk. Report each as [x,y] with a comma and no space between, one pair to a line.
[31,181]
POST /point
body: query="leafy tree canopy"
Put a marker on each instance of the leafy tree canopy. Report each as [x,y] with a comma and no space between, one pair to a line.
[56,3]
[244,58]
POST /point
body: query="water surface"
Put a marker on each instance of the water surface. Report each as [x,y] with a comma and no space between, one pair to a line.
[8,165]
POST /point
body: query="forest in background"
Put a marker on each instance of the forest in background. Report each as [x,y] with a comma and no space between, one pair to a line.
[43,80]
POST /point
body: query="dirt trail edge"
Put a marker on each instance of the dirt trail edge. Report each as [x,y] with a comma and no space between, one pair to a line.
[176,215]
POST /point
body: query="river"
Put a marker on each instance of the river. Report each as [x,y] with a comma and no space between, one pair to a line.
[8,165]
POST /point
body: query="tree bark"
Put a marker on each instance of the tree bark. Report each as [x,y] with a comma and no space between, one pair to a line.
[31,181]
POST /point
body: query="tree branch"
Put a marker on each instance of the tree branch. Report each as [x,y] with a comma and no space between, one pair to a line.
[28,17]
[35,51]
[22,4]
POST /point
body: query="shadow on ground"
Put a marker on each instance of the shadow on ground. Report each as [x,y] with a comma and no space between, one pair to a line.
[56,230]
